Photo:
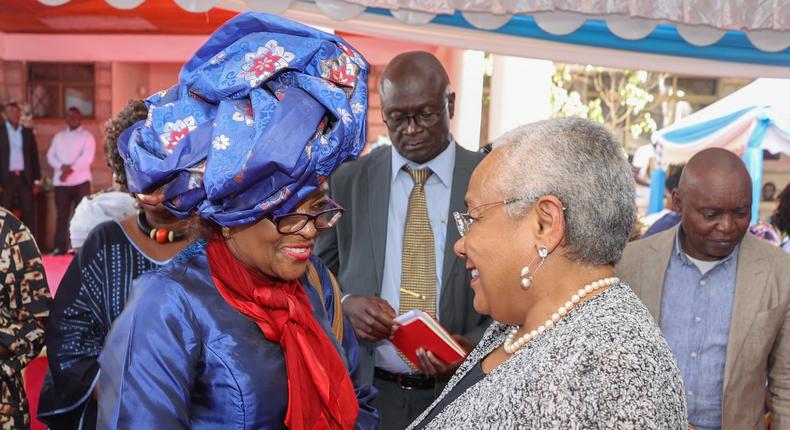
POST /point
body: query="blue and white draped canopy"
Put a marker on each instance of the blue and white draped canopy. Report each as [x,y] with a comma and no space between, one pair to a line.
[748,121]
[263,112]
[707,37]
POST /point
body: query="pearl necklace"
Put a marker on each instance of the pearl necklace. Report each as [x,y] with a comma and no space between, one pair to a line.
[512,345]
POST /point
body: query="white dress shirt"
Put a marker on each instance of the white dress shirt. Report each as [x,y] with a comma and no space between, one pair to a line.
[16,156]
[75,148]
[438,187]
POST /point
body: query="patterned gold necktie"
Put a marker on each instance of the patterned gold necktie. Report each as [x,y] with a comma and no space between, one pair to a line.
[418,270]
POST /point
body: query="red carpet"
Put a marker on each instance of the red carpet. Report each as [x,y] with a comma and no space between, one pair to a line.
[34,378]
[34,372]
[55,267]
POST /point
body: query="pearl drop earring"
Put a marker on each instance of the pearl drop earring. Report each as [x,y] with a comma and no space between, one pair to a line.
[526,277]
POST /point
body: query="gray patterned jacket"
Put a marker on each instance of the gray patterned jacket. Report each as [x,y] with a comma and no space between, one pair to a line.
[603,366]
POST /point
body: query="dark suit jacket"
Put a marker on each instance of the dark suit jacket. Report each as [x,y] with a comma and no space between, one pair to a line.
[29,150]
[354,248]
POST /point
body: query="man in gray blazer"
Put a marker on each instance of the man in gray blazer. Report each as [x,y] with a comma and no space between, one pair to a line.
[366,248]
[721,296]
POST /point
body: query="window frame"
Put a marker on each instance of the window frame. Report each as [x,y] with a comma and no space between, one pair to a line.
[58,109]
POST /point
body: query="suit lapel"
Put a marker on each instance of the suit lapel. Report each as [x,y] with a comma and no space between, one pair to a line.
[749,291]
[378,192]
[661,251]
[4,150]
[461,172]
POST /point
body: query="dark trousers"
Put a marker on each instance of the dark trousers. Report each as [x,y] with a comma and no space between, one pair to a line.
[399,407]
[66,199]
[17,193]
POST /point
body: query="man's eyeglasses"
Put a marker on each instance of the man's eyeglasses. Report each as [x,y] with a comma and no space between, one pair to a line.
[294,222]
[425,119]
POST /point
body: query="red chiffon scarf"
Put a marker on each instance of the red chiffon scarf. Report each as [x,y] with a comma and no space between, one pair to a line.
[320,393]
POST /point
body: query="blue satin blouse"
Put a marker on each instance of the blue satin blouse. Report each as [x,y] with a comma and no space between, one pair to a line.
[179,356]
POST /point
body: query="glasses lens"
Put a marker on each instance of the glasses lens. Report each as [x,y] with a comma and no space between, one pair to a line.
[427,119]
[328,218]
[396,121]
[461,223]
[292,223]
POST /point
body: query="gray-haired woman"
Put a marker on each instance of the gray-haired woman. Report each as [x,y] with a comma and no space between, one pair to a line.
[571,347]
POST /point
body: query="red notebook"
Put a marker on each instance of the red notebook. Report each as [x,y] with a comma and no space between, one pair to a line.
[418,330]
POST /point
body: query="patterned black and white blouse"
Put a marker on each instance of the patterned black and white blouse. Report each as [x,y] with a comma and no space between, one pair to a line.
[605,365]
[91,295]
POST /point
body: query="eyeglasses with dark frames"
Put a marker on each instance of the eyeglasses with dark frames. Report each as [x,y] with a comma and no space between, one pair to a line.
[425,119]
[293,223]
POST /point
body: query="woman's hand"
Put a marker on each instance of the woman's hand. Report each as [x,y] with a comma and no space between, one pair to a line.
[371,317]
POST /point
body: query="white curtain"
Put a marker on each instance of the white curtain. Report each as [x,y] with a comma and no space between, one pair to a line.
[738,15]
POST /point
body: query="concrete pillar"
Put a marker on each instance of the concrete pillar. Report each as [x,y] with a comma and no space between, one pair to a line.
[520,93]
[467,71]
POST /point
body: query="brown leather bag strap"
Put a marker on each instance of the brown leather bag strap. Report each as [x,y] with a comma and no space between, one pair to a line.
[315,281]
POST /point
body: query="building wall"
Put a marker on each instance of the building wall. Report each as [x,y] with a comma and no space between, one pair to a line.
[13,84]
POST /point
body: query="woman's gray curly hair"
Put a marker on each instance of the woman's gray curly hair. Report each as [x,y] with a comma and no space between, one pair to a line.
[583,165]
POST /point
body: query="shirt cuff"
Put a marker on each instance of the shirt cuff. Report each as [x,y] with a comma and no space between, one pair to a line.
[343,299]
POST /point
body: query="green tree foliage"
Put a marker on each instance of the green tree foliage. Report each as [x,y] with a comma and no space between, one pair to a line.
[619,99]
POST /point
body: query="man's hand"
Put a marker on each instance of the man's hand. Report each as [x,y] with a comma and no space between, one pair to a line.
[467,344]
[65,171]
[435,368]
[370,316]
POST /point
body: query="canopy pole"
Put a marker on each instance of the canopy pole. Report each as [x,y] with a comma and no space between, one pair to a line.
[657,180]
[753,158]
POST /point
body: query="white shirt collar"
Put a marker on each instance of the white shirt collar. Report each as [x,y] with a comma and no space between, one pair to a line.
[11,127]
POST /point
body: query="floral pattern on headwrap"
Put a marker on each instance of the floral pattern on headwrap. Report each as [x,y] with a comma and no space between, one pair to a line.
[264,62]
[263,113]
[175,131]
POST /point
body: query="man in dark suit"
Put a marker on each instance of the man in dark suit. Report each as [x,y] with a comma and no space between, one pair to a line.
[393,250]
[20,174]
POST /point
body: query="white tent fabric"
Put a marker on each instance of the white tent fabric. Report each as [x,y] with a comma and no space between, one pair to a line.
[722,14]
[748,121]
[763,98]
[700,23]
[333,14]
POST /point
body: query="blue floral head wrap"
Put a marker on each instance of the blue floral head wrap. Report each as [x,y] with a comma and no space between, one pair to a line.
[263,112]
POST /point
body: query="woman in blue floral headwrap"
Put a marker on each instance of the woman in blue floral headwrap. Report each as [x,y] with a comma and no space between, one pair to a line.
[245,328]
